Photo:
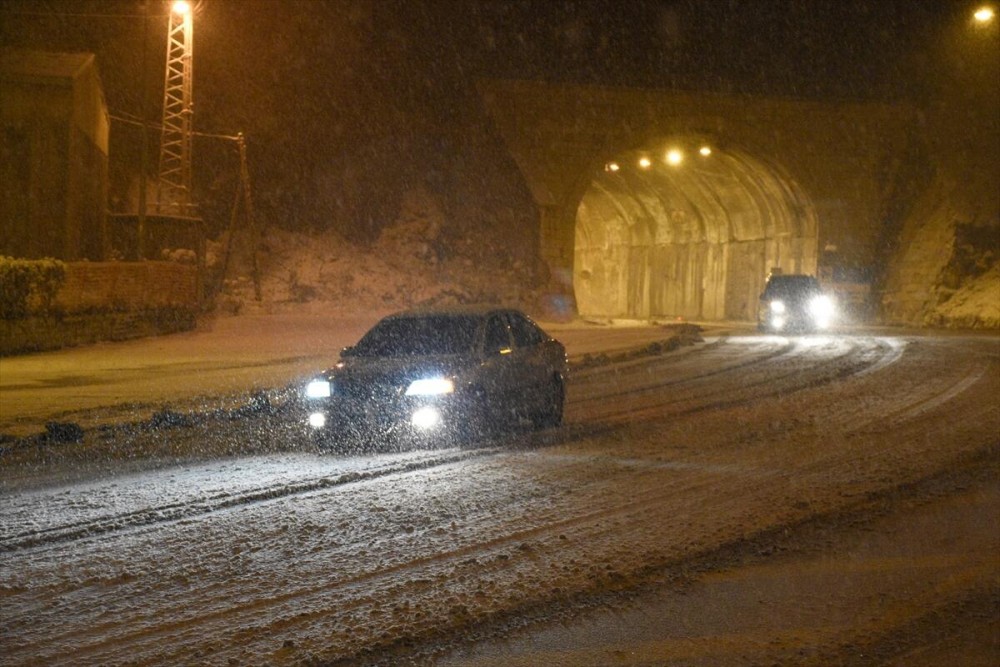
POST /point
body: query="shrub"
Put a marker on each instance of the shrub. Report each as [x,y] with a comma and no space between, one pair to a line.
[22,278]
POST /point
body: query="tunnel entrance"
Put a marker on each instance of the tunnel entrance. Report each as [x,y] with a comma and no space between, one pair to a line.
[688,230]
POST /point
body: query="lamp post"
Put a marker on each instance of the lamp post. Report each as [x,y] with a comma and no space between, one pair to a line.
[174,191]
[144,154]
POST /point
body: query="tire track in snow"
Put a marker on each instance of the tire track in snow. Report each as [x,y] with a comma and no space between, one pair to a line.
[178,511]
[366,590]
[735,385]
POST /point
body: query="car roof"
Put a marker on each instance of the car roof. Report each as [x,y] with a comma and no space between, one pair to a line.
[791,283]
[466,310]
[791,278]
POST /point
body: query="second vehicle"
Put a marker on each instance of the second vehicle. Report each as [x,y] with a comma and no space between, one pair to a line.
[794,302]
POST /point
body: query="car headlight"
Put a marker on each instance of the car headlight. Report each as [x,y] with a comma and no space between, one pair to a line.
[318,389]
[430,387]
[821,307]
[426,418]
[777,307]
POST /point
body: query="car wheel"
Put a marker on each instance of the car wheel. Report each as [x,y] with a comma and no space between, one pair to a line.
[322,441]
[336,438]
[552,409]
[482,422]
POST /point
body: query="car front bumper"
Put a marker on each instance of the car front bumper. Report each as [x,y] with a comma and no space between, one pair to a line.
[416,418]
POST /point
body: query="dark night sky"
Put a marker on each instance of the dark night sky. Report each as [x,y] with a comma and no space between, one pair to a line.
[356,89]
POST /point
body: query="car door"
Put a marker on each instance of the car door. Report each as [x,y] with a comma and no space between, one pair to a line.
[533,367]
[500,377]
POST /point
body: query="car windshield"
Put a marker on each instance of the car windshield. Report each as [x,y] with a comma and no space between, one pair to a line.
[418,336]
[791,286]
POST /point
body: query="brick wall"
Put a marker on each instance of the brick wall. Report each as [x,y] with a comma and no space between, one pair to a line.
[108,301]
[127,286]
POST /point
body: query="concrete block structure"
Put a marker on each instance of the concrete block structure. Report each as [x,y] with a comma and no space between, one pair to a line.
[53,156]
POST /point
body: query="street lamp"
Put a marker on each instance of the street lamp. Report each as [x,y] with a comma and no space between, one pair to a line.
[984,15]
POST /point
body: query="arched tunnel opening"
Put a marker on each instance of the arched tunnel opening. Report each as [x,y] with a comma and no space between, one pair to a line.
[689,230]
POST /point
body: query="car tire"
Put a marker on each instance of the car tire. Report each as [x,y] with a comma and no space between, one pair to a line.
[486,423]
[323,441]
[551,415]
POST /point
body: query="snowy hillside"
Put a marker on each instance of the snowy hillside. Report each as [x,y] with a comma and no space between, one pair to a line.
[411,264]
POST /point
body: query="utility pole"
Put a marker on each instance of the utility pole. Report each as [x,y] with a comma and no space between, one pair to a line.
[245,195]
[174,192]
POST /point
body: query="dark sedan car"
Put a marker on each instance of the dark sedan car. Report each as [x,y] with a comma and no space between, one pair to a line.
[431,375]
[794,302]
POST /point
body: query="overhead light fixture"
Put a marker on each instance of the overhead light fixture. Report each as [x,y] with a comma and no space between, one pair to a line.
[645,162]
[984,14]
[674,157]
[612,167]
[705,151]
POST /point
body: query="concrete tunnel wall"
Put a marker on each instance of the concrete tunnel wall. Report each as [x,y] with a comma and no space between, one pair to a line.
[693,240]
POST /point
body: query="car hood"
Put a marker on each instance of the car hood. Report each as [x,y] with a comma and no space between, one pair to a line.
[791,297]
[400,370]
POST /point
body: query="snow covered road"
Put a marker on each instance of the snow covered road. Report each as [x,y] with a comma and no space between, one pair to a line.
[298,558]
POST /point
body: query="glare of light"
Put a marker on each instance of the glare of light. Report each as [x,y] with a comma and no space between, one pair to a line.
[426,417]
[984,14]
[430,387]
[645,162]
[318,389]
[777,322]
[777,307]
[317,420]
[612,167]
[705,151]
[674,157]
[181,7]
[822,310]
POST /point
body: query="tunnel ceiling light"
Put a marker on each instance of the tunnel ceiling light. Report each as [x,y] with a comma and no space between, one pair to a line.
[645,162]
[705,151]
[674,156]
[984,14]
[611,167]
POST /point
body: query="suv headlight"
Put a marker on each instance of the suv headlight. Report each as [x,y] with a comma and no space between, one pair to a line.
[821,307]
[318,389]
[430,387]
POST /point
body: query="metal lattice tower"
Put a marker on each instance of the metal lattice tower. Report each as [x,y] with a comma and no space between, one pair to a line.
[174,192]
